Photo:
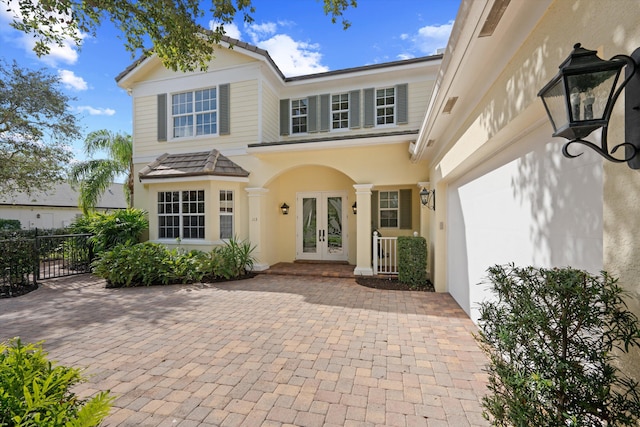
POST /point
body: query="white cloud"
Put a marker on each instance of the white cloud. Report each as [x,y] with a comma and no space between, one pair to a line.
[293,57]
[66,53]
[71,81]
[432,37]
[96,111]
[230,30]
[259,32]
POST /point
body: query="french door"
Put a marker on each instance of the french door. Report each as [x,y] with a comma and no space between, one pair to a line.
[321,226]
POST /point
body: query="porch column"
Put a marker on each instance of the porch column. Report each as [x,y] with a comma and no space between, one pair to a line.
[363,230]
[257,225]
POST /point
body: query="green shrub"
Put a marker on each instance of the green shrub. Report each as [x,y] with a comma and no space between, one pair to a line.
[35,392]
[412,261]
[10,224]
[149,263]
[17,258]
[551,337]
[121,227]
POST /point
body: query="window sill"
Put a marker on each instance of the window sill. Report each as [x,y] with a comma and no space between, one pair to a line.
[190,242]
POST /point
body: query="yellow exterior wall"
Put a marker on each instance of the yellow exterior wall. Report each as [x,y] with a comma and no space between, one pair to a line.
[511,106]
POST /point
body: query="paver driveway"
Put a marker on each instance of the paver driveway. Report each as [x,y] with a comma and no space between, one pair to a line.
[270,351]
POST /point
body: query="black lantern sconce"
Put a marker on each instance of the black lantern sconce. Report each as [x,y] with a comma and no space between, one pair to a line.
[428,198]
[354,208]
[581,97]
[285,209]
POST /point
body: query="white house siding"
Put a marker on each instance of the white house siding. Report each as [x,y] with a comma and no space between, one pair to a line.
[270,112]
[527,205]
[145,126]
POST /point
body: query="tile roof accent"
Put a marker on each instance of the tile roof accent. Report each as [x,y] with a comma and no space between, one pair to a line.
[335,138]
[192,164]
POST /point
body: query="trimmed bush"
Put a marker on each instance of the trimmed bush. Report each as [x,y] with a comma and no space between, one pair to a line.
[35,392]
[551,336]
[412,261]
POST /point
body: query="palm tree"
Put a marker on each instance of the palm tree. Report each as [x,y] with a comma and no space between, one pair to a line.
[96,175]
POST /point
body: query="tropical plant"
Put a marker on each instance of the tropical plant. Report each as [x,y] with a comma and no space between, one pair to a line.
[551,336]
[111,229]
[233,259]
[171,27]
[35,392]
[36,128]
[94,176]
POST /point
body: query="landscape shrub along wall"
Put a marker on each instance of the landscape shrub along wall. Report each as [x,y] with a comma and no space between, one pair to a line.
[412,261]
[111,229]
[551,336]
[10,224]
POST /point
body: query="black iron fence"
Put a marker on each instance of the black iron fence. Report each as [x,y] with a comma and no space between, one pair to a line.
[24,261]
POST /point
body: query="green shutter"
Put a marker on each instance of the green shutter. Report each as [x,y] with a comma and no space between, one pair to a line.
[224,118]
[162,117]
[284,117]
[369,108]
[405,209]
[374,210]
[354,109]
[312,114]
[402,104]
[324,112]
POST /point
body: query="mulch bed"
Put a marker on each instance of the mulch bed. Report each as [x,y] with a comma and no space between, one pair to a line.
[391,284]
[10,292]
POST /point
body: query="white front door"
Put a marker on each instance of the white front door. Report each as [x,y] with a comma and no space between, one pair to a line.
[321,226]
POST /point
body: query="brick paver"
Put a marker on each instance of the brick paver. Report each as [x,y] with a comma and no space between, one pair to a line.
[272,351]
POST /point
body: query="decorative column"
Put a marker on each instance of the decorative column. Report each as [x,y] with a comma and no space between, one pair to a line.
[363,230]
[258,225]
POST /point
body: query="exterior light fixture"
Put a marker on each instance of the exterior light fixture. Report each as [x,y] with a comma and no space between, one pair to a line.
[285,209]
[354,207]
[581,97]
[428,198]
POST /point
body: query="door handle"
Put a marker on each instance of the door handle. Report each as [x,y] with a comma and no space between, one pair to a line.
[323,235]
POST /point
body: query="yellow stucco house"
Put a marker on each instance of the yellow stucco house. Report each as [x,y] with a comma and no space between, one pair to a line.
[219,153]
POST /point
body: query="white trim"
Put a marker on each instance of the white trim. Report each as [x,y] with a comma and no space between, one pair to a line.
[191,242]
[327,145]
[199,178]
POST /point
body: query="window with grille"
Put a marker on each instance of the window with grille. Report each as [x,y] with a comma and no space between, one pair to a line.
[389,209]
[194,113]
[385,106]
[226,214]
[340,111]
[181,214]
[299,115]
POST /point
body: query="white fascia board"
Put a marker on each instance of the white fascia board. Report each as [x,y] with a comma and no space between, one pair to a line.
[199,178]
[329,145]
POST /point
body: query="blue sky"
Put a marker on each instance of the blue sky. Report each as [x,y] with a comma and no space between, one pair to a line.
[297,34]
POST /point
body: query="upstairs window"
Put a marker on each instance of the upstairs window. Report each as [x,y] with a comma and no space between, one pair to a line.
[299,115]
[194,113]
[340,111]
[385,106]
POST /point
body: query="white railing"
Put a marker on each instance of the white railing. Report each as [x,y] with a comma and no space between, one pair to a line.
[385,254]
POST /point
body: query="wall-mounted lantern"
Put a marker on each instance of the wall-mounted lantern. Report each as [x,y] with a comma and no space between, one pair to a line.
[285,209]
[580,99]
[354,208]
[428,198]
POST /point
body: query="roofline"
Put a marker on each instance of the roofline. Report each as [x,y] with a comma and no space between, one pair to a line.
[251,48]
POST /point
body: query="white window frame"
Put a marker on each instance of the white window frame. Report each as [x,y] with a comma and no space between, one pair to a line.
[385,201]
[343,99]
[182,214]
[192,110]
[227,209]
[385,101]
[296,113]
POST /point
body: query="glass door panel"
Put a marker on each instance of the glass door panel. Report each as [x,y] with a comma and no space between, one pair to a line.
[309,225]
[334,225]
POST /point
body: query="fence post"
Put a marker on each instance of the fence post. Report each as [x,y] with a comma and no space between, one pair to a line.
[375,252]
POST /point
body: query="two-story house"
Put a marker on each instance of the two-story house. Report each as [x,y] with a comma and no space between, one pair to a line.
[304,167]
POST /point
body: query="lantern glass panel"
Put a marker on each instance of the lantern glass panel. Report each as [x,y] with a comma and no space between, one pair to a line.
[589,94]
[556,105]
